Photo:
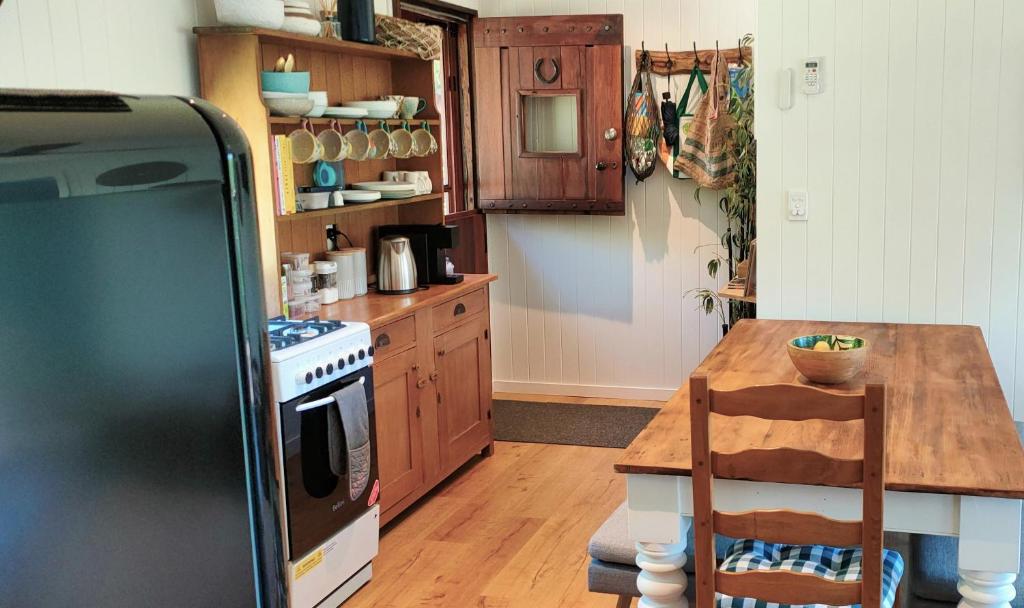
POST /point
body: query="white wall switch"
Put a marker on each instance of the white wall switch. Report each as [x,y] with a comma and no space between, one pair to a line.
[813,76]
[797,205]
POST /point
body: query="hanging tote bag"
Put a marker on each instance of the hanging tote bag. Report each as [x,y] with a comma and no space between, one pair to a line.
[696,87]
[643,124]
[704,152]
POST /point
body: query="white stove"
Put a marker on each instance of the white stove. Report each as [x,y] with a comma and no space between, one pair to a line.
[331,530]
[305,355]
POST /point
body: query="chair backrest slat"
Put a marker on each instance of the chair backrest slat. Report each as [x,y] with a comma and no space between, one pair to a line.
[784,587]
[789,527]
[787,465]
[787,402]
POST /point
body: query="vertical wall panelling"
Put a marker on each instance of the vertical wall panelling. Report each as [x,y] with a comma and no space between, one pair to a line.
[597,305]
[914,167]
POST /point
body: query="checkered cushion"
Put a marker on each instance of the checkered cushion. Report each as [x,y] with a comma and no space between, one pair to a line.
[827,562]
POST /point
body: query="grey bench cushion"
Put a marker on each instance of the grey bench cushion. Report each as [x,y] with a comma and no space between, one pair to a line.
[933,565]
[611,543]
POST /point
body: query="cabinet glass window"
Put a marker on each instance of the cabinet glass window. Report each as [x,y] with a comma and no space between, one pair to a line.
[551,124]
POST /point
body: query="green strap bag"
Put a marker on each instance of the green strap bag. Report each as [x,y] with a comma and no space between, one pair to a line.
[685,117]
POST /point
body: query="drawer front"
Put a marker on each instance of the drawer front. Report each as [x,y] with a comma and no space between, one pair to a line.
[394,337]
[455,311]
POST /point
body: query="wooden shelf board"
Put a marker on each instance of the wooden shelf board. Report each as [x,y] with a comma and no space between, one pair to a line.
[320,44]
[294,120]
[351,208]
[737,294]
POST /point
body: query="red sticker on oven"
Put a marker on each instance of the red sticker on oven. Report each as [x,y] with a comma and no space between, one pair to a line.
[374,493]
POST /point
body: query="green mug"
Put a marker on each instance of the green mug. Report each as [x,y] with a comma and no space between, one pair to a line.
[411,106]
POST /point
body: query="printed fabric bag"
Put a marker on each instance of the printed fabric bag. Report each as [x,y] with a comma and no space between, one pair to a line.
[684,118]
[704,152]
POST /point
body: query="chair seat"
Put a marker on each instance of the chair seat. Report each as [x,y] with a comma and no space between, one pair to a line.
[836,564]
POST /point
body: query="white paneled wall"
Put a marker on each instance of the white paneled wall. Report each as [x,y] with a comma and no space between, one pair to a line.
[913,159]
[593,305]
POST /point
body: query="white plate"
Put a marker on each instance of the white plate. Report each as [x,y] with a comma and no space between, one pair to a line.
[382,114]
[359,196]
[343,112]
[386,186]
[394,195]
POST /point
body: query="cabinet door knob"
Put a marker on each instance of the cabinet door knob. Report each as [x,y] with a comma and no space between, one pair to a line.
[421,383]
[382,341]
[434,375]
[417,411]
[601,166]
[441,352]
[415,366]
[460,309]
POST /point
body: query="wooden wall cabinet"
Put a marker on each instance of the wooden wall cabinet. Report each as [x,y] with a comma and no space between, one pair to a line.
[548,114]
[432,389]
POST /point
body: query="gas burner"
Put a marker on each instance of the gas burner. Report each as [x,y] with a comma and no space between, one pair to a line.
[284,333]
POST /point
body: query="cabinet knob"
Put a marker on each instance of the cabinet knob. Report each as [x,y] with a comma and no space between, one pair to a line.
[441,352]
[611,133]
[421,383]
[434,375]
[601,166]
[460,309]
[415,366]
[417,411]
[382,341]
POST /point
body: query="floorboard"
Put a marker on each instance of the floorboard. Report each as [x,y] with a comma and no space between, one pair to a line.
[509,531]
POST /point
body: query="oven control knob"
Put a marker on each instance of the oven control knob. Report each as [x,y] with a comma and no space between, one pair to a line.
[306,378]
[369,351]
[362,354]
[341,364]
[351,358]
[319,372]
[330,368]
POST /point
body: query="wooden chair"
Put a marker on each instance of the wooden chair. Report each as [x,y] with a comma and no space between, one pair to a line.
[787,465]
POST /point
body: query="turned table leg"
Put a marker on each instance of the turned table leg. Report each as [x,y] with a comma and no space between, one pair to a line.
[990,533]
[661,581]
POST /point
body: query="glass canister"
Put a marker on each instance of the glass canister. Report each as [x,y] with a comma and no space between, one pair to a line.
[327,281]
[300,283]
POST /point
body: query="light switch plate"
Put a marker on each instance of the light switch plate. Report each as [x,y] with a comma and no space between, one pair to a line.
[796,205]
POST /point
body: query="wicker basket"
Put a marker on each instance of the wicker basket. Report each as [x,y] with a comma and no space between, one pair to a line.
[424,40]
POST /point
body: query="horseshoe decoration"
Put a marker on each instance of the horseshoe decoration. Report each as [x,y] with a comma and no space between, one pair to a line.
[554,74]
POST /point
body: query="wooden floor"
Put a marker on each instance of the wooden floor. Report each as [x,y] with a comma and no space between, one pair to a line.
[509,531]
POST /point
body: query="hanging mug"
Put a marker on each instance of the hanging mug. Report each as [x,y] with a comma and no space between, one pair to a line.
[359,142]
[380,142]
[423,142]
[306,148]
[401,142]
[335,146]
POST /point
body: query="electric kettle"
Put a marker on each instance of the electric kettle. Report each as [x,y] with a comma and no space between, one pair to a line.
[396,267]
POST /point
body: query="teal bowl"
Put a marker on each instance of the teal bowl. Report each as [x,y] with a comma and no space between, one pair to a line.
[285,82]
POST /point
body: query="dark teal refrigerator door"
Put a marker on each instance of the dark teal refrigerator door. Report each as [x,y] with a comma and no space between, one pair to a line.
[134,466]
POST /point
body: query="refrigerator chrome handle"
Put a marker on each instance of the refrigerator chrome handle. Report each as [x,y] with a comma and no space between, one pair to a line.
[312,405]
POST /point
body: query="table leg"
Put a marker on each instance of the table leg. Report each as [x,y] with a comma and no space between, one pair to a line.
[661,580]
[990,532]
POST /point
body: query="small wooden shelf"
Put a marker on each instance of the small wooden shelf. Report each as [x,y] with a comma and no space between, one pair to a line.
[329,45]
[395,122]
[353,207]
[737,294]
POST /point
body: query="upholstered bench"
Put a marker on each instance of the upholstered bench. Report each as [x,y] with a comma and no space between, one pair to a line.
[933,572]
[613,559]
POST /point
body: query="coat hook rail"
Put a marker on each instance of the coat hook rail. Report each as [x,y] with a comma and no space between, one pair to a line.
[682,62]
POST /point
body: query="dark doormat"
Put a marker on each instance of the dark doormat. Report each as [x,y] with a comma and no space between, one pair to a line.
[605,426]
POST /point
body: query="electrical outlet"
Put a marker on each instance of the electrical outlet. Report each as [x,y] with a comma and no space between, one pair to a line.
[797,205]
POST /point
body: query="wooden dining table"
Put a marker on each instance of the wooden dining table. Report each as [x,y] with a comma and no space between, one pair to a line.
[955,465]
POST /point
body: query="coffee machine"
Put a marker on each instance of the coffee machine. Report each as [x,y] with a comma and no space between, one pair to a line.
[430,245]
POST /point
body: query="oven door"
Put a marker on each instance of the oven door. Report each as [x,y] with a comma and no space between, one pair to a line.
[318,501]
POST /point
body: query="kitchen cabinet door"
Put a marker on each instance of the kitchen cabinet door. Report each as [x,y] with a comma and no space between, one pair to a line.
[462,359]
[399,433]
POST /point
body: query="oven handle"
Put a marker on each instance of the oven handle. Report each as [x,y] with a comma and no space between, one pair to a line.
[312,405]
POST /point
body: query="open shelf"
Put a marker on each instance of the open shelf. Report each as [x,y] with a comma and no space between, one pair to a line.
[353,207]
[395,122]
[736,294]
[311,42]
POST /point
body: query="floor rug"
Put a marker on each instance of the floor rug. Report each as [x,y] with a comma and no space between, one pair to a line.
[606,426]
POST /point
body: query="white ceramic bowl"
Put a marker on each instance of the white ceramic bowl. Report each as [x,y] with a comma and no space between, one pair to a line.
[319,103]
[313,200]
[289,106]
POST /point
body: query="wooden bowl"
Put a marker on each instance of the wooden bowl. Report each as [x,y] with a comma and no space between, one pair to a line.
[828,366]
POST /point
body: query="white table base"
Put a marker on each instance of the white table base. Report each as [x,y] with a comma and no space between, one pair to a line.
[660,508]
